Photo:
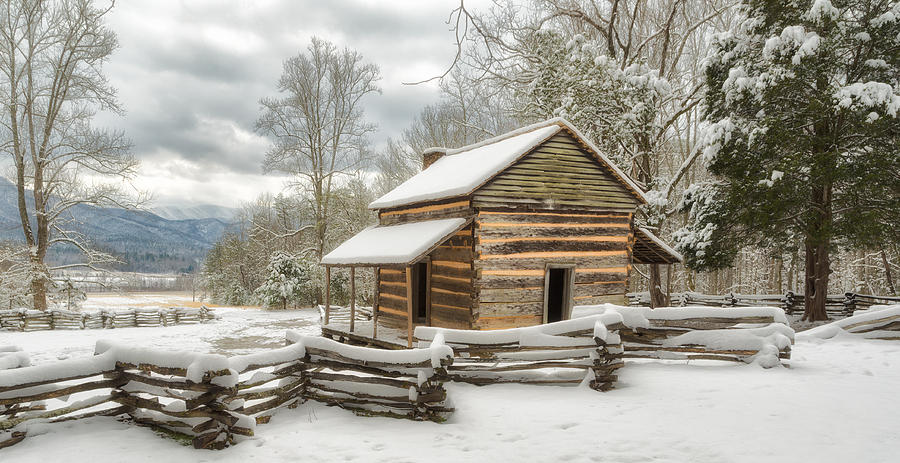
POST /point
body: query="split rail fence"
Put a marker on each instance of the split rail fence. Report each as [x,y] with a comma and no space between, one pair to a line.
[837,305]
[211,400]
[569,352]
[36,320]
[751,334]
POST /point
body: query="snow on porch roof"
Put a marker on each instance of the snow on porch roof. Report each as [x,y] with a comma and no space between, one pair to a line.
[649,249]
[393,244]
[462,171]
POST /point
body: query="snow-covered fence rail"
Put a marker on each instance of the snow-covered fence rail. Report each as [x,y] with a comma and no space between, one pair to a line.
[741,334]
[35,320]
[179,392]
[211,400]
[342,314]
[883,323]
[397,383]
[837,305]
[561,353]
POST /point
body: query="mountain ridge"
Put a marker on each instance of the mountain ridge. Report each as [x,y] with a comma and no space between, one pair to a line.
[146,241]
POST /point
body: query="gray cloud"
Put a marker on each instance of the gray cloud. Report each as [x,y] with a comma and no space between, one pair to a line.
[190,74]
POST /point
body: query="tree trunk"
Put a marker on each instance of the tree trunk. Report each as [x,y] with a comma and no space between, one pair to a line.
[887,273]
[818,265]
[779,281]
[38,283]
[657,296]
[818,268]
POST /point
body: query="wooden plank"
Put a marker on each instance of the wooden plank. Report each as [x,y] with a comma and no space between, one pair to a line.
[387,275]
[453,254]
[393,307]
[453,299]
[603,288]
[457,285]
[539,244]
[451,315]
[498,279]
[585,229]
[545,204]
[508,309]
[438,319]
[392,291]
[427,208]
[573,196]
[511,215]
[498,323]
[516,294]
[488,266]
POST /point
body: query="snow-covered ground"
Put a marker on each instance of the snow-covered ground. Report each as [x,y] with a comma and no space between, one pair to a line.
[238,331]
[837,403]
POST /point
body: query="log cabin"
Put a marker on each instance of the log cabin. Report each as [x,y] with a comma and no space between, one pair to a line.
[512,231]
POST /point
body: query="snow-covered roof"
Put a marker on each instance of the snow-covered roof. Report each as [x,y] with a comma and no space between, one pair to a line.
[463,170]
[394,244]
[649,249]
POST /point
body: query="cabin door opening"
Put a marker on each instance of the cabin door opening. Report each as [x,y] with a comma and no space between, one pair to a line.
[420,285]
[557,293]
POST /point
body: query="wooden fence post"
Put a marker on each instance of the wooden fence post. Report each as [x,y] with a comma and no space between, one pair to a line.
[849,303]
[352,298]
[327,293]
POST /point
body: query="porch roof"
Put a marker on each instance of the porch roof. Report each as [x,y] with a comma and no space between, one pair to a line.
[649,249]
[393,244]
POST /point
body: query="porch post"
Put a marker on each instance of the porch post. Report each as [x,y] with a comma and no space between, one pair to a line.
[409,307]
[352,298]
[327,293]
[375,305]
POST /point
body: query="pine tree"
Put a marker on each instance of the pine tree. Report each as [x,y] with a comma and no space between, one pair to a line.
[802,101]
[287,281]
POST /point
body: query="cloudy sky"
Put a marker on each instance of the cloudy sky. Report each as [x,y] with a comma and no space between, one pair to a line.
[190,75]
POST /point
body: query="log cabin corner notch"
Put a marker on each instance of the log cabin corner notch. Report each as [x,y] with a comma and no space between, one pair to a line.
[512,231]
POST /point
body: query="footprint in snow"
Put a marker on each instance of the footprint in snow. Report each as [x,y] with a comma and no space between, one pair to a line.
[567,425]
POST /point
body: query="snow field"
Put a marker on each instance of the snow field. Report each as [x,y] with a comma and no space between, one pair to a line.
[835,404]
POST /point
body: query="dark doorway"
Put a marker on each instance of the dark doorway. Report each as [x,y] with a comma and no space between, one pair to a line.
[558,282]
[420,292]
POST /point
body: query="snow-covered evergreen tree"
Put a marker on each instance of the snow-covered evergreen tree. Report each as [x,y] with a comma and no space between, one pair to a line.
[287,281]
[802,101]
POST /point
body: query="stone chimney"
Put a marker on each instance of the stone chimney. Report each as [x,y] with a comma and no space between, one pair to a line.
[431,155]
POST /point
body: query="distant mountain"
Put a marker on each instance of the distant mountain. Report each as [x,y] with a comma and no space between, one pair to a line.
[202,211]
[146,241]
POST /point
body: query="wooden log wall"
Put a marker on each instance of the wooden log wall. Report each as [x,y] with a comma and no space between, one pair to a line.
[448,209]
[452,288]
[392,305]
[513,248]
[559,174]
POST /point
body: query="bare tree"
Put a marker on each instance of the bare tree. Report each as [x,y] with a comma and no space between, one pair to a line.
[659,40]
[469,110]
[52,85]
[317,126]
